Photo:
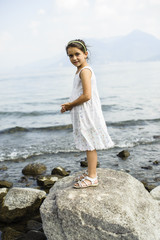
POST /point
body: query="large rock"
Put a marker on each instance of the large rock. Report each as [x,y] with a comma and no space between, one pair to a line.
[20,202]
[119,208]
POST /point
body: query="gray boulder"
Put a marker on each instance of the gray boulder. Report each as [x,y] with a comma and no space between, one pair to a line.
[20,202]
[119,208]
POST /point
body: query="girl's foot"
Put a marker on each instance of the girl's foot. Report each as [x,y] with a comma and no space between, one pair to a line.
[79,178]
[86,182]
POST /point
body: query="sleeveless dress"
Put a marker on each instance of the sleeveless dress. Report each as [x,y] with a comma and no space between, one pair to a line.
[89,127]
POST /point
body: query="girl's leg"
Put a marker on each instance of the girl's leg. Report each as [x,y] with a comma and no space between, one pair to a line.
[92,163]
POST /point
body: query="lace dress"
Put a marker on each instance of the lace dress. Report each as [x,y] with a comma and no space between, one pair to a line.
[89,127]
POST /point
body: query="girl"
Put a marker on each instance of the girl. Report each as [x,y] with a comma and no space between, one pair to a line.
[89,128]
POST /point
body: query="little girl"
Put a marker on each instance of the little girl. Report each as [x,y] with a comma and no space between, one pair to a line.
[89,128]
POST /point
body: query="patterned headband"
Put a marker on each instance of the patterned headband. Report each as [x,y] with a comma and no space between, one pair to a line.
[79,43]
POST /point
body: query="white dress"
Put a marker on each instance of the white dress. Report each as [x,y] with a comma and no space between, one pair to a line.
[89,127]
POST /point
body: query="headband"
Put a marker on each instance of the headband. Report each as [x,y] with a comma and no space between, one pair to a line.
[79,43]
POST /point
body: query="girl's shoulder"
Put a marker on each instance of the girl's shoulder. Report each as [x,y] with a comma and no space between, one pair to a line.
[86,67]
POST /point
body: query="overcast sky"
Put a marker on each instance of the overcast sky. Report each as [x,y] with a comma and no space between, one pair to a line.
[37,29]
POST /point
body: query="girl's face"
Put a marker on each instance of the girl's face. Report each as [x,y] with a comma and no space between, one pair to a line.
[77,57]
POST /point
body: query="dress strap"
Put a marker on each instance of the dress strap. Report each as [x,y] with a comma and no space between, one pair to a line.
[84,68]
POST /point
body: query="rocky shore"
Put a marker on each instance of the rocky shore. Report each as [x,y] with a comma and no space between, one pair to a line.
[19,206]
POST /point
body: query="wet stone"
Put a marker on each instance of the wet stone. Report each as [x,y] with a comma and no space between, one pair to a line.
[47,181]
[60,171]
[123,154]
[5,184]
[156,162]
[148,187]
[34,169]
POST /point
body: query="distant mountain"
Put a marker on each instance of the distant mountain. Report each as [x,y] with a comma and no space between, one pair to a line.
[136,46]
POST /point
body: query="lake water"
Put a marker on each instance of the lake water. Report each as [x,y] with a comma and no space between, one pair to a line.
[32,129]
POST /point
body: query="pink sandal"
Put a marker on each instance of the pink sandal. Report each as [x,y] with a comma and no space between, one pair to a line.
[93,182]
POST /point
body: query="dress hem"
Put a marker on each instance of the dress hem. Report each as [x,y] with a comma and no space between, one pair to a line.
[92,149]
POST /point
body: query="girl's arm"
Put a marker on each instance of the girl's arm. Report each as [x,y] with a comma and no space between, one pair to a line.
[85,76]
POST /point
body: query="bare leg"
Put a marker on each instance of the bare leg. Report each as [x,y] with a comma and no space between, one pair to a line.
[92,163]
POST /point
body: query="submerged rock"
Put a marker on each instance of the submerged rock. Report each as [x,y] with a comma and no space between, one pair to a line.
[123,154]
[3,168]
[147,167]
[5,184]
[34,169]
[156,162]
[114,210]
[60,171]
[20,202]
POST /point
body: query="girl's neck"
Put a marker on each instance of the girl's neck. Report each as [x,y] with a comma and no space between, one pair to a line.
[80,67]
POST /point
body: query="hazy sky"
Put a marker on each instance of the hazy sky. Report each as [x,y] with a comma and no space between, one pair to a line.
[37,29]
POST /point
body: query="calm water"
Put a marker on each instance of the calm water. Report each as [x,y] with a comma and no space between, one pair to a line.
[32,129]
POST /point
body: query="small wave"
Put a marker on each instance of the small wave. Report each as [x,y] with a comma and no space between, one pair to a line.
[138,142]
[128,123]
[108,107]
[19,157]
[28,114]
[22,129]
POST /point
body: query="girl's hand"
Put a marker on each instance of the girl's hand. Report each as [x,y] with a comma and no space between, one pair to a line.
[63,109]
[66,107]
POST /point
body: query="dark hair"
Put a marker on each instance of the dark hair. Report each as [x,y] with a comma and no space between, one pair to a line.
[78,43]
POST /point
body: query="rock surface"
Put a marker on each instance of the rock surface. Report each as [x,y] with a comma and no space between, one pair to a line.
[20,202]
[119,208]
[156,193]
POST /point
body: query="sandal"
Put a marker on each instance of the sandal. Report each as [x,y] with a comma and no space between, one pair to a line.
[93,182]
[82,176]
